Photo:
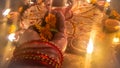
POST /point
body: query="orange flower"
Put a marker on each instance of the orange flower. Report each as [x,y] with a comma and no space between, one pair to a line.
[51,20]
[12,28]
[45,32]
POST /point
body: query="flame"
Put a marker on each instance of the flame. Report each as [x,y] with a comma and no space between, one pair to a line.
[11,37]
[116,40]
[6,12]
[90,47]
[89,54]
[88,1]
[108,0]
[31,2]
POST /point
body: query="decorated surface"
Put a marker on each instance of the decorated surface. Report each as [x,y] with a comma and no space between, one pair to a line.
[81,29]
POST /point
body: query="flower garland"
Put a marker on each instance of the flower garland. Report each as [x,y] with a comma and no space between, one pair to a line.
[112,14]
[46,31]
[12,29]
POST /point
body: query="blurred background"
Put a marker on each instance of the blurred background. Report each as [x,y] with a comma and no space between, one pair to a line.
[89,20]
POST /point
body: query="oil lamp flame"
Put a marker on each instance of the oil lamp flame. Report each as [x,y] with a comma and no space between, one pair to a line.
[11,37]
[88,1]
[90,47]
[108,0]
[116,40]
[6,12]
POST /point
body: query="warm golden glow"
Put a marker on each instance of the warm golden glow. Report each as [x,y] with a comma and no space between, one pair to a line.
[89,53]
[116,40]
[6,12]
[117,27]
[90,47]
[107,4]
[7,53]
[31,2]
[11,37]
[89,1]
[108,0]
[7,59]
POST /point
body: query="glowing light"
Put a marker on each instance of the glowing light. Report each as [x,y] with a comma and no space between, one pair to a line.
[92,1]
[89,53]
[117,27]
[6,12]
[11,37]
[31,2]
[116,40]
[108,0]
[90,47]
[7,59]
[10,49]
[89,1]
[66,4]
